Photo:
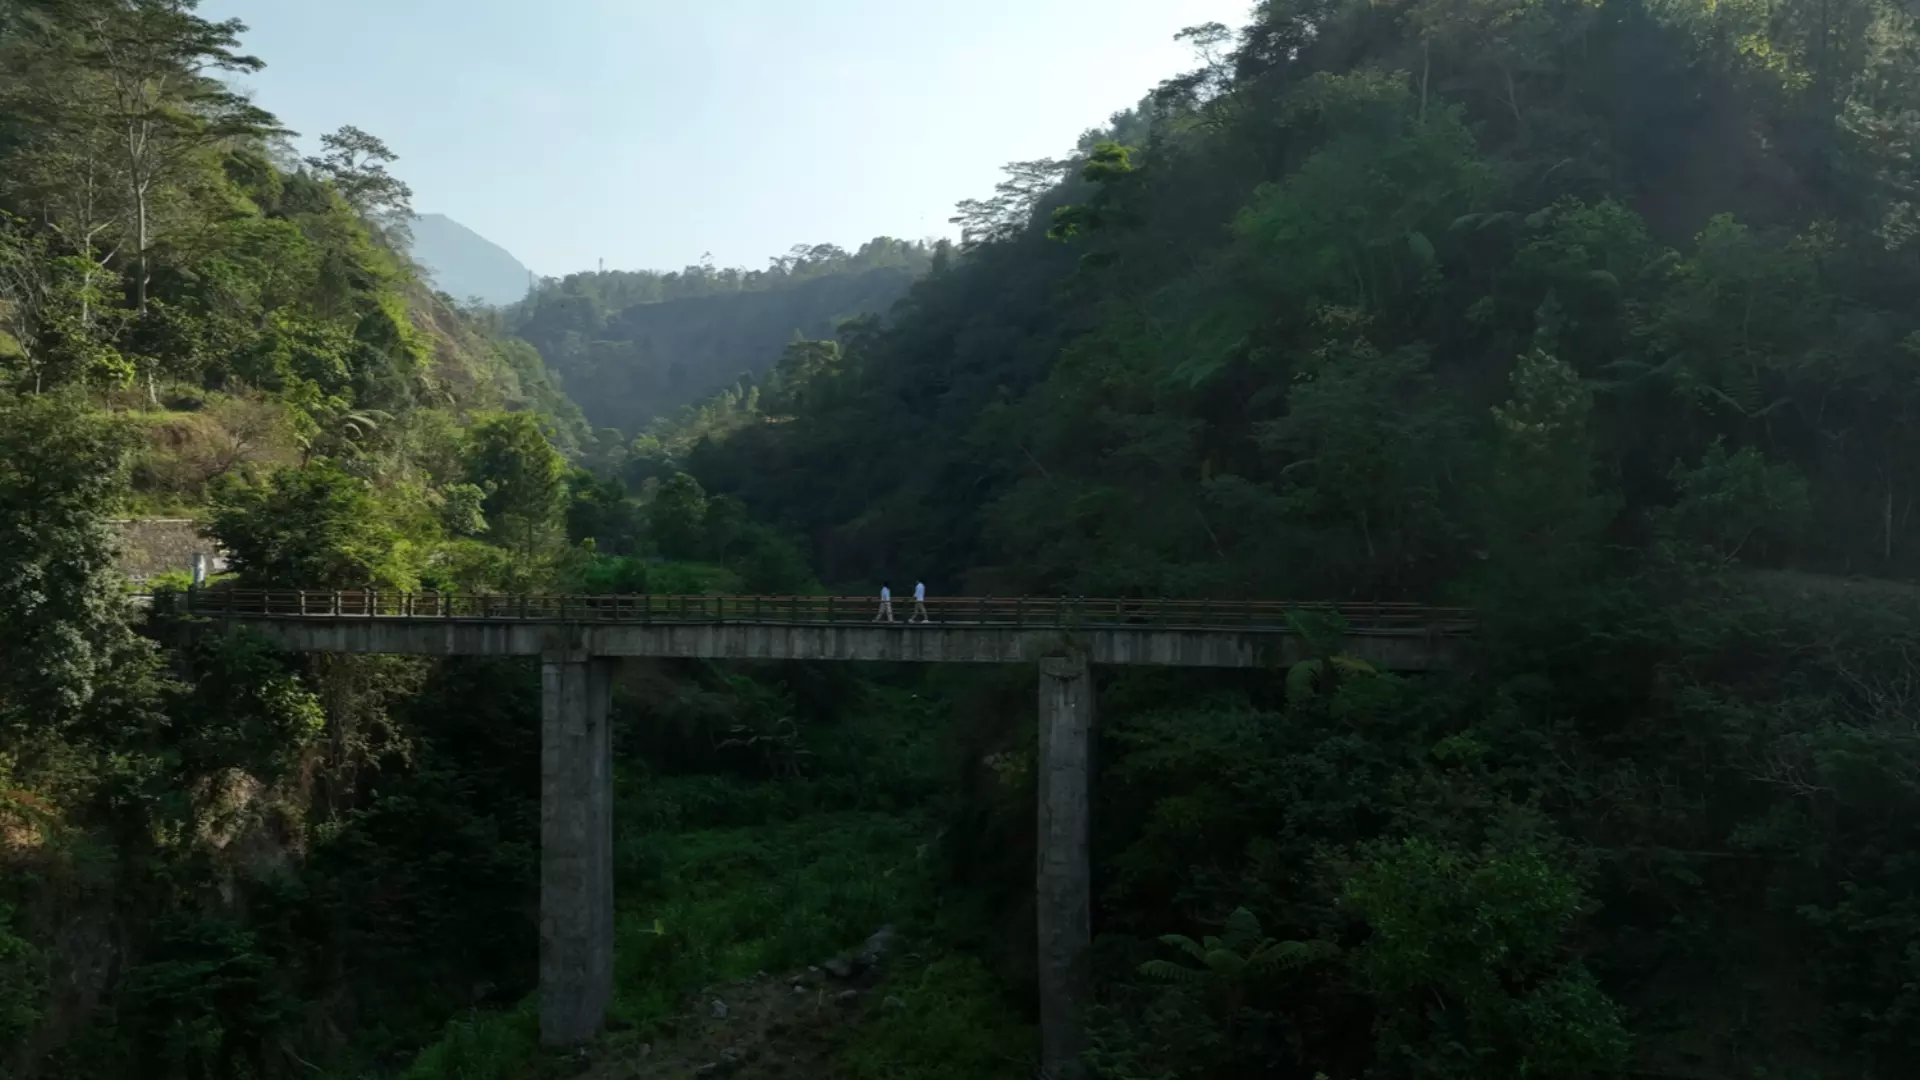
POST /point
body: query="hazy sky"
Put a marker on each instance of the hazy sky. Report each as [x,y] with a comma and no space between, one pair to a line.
[649,132]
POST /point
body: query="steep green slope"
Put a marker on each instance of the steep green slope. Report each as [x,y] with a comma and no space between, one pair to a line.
[1263,345]
[1561,310]
[217,861]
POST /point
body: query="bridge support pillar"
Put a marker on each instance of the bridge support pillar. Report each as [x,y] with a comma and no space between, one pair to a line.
[1062,879]
[576,847]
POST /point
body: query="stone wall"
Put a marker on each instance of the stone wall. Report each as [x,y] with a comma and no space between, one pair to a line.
[150,547]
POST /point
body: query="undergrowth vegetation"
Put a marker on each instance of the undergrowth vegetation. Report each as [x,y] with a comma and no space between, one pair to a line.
[724,876]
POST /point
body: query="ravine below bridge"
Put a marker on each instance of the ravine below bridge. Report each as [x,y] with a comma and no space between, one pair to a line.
[580,638]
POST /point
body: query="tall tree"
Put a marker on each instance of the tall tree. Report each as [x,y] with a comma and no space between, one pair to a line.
[62,170]
[309,528]
[62,605]
[158,60]
[510,457]
[355,163]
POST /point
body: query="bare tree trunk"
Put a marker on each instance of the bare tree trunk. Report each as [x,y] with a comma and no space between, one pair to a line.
[142,274]
[1886,514]
[140,242]
[1426,68]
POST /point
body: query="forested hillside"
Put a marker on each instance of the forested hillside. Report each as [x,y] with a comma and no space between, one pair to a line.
[634,346]
[1265,333]
[1601,317]
[1598,316]
[199,876]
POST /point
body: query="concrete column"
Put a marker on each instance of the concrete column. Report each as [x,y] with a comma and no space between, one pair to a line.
[1062,879]
[576,847]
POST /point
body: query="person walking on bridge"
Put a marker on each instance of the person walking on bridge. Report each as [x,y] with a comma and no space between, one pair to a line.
[886,604]
[919,603]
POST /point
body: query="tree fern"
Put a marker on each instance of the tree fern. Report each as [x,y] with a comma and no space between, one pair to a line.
[1225,961]
[1304,678]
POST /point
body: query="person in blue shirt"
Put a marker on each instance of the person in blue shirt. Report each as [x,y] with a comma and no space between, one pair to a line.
[886,604]
[919,603]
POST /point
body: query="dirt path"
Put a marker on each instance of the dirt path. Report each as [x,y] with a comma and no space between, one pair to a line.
[789,1026]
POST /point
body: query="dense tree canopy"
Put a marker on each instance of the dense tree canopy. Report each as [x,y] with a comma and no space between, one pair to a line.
[193,323]
[1597,316]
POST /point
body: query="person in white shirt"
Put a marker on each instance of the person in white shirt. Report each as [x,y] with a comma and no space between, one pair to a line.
[886,604]
[919,602]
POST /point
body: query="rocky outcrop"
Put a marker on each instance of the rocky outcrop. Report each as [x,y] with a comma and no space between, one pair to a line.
[755,1028]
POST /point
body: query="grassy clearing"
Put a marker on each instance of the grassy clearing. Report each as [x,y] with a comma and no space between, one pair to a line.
[720,879]
[722,904]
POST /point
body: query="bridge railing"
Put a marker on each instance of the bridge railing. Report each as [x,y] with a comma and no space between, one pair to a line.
[1035,611]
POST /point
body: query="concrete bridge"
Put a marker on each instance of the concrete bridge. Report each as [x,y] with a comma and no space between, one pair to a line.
[579,638]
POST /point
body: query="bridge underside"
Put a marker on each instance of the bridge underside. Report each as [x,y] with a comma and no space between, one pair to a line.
[897,643]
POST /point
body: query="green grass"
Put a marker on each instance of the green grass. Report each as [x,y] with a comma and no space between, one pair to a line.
[943,1018]
[719,879]
[721,904]
[482,1047]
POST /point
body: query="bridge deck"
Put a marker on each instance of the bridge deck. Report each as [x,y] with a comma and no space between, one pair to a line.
[1057,611]
[1185,633]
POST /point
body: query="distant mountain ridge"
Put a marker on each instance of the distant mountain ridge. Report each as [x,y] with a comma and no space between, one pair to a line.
[634,346]
[463,264]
